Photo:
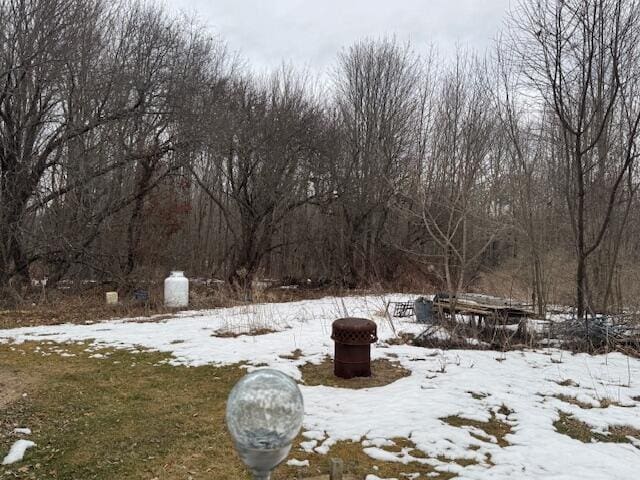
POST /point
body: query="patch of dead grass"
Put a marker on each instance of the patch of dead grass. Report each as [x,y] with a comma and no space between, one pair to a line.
[358,464]
[608,402]
[402,339]
[478,395]
[87,304]
[494,427]
[295,355]
[620,434]
[573,401]
[504,410]
[383,372]
[604,402]
[569,425]
[255,332]
[567,383]
[574,428]
[400,443]
[12,385]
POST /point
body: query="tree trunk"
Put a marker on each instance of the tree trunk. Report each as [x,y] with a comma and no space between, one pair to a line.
[135,221]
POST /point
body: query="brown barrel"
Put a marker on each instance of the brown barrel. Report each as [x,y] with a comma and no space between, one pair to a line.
[353,338]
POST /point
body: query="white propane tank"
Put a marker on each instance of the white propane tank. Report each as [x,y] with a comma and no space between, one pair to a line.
[176,290]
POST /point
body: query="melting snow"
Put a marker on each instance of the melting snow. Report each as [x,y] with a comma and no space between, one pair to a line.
[469,384]
[17,451]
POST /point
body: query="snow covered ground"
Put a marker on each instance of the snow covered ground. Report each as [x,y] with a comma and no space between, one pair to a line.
[470,384]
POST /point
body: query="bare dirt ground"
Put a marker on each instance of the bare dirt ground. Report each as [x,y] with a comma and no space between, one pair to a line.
[17,390]
[11,387]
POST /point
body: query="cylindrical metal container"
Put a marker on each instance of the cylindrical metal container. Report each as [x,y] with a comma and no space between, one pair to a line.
[353,338]
[176,290]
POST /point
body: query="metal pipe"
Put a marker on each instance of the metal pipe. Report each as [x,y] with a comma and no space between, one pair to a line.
[261,475]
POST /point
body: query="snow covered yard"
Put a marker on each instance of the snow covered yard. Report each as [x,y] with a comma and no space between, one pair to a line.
[459,414]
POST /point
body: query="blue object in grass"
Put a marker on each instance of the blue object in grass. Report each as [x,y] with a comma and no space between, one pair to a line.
[423,309]
[141,295]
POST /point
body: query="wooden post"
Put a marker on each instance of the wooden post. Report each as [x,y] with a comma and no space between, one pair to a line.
[336,467]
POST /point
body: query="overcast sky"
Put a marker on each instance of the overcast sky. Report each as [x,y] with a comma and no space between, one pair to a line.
[309,33]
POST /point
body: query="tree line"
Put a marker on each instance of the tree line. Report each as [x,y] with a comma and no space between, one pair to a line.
[133,141]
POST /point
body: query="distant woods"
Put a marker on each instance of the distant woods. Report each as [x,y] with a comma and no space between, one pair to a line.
[133,142]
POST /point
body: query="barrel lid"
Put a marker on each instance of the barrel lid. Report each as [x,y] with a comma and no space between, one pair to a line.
[354,324]
[354,331]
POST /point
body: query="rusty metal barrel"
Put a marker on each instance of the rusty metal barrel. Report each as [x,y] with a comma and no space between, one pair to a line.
[353,338]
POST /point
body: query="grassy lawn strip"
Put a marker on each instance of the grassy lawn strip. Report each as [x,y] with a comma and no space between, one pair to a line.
[123,417]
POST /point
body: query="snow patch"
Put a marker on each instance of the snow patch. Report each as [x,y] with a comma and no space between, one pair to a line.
[17,451]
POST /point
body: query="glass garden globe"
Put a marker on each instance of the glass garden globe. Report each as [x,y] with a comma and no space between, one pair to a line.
[264,415]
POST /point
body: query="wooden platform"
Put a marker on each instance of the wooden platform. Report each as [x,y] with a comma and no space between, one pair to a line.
[483,309]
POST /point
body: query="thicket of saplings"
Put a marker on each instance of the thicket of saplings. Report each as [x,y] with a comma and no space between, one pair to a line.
[134,141]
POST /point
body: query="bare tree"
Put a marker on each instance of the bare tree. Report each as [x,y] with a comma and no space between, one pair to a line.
[460,205]
[253,168]
[581,59]
[528,180]
[89,100]
[377,96]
